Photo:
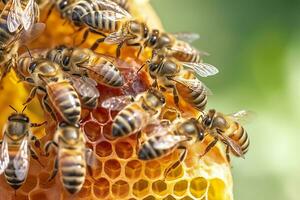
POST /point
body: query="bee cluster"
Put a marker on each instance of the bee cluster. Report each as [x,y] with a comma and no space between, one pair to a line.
[112,116]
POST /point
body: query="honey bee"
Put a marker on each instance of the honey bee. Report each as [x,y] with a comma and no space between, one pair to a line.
[137,114]
[16,148]
[167,137]
[166,74]
[22,13]
[72,156]
[48,79]
[84,62]
[123,3]
[227,129]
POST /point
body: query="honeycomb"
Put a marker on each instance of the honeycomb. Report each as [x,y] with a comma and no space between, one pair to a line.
[117,174]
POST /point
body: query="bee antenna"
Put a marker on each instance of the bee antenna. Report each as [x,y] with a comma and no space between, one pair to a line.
[141,68]
[13,108]
[24,109]
[28,51]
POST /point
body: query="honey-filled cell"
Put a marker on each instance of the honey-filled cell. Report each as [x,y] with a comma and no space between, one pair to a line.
[153,169]
[103,149]
[150,197]
[120,189]
[101,188]
[124,150]
[86,189]
[198,187]
[187,198]
[169,197]
[140,188]
[112,168]
[92,131]
[180,187]
[101,115]
[159,187]
[133,169]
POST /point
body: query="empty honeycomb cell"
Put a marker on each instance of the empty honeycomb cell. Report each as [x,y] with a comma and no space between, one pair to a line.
[149,198]
[30,184]
[140,188]
[133,169]
[112,168]
[107,131]
[198,187]
[92,131]
[44,180]
[217,190]
[101,115]
[190,198]
[180,187]
[124,150]
[152,169]
[160,187]
[103,149]
[86,189]
[176,173]
[169,197]
[120,189]
[101,188]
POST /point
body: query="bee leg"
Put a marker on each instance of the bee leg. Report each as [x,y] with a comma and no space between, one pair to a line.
[175,96]
[38,124]
[119,49]
[98,41]
[49,12]
[85,36]
[47,106]
[36,142]
[227,154]
[31,95]
[137,45]
[34,156]
[55,170]
[209,147]
[177,163]
[47,147]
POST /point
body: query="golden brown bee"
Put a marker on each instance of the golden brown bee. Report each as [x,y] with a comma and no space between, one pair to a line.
[72,157]
[16,149]
[227,129]
[84,62]
[48,79]
[123,4]
[166,73]
[137,114]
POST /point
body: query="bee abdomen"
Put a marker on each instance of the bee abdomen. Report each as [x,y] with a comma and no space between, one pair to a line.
[147,152]
[11,177]
[241,137]
[65,99]
[199,99]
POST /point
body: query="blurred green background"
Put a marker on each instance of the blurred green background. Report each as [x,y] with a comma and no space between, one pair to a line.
[256,46]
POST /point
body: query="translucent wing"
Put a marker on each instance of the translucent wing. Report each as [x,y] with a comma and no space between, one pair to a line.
[14,16]
[109,5]
[157,128]
[4,159]
[91,159]
[28,15]
[242,115]
[193,84]
[84,86]
[233,145]
[187,36]
[115,38]
[202,69]
[181,46]
[34,32]
[117,103]
[168,141]
[21,161]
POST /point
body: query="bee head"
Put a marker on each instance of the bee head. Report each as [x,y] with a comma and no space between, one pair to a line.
[63,4]
[212,120]
[17,126]
[155,99]
[137,28]
[192,128]
[169,68]
[164,41]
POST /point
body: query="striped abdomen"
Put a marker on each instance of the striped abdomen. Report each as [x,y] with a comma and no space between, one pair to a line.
[72,165]
[196,97]
[105,72]
[65,100]
[23,66]
[129,120]
[240,136]
[148,152]
[10,171]
[192,55]
[102,21]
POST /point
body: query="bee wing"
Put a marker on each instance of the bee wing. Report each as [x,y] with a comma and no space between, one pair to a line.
[115,38]
[202,69]
[242,115]
[28,15]
[168,141]
[4,158]
[233,145]
[21,161]
[157,128]
[34,32]
[186,36]
[110,5]
[85,86]
[14,16]
[117,103]
[91,158]
[193,84]
[182,46]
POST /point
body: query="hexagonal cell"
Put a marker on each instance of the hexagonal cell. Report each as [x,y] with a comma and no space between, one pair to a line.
[176,173]
[187,198]
[112,168]
[160,187]
[133,169]
[180,187]
[107,132]
[124,150]
[140,188]
[198,187]
[86,189]
[103,149]
[216,189]
[92,131]
[152,169]
[149,198]
[101,115]
[169,197]
[30,184]
[120,189]
[101,188]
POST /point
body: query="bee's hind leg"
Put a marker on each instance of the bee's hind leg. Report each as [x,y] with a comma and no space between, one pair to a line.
[55,170]
[177,163]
